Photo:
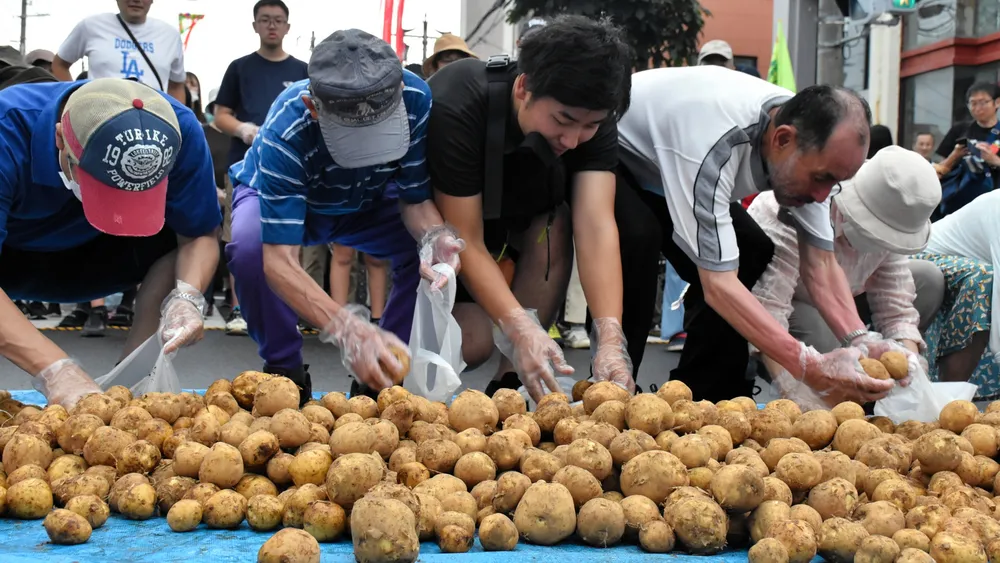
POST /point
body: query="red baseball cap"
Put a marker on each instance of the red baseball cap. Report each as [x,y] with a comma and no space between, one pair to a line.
[123,139]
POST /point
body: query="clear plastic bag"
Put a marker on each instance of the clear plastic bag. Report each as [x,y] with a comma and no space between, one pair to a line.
[146,370]
[435,341]
[922,399]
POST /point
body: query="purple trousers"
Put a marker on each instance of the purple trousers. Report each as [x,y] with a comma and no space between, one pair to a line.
[272,324]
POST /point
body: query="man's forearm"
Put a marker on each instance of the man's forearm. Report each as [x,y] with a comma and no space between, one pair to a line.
[827,285]
[482,277]
[227,122]
[295,287]
[21,343]
[733,302]
[176,90]
[60,69]
[600,265]
[197,259]
[419,217]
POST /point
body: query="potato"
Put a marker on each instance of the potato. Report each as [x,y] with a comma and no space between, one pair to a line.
[885,452]
[700,525]
[296,500]
[611,412]
[899,492]
[769,423]
[472,468]
[258,448]
[138,502]
[233,433]
[874,368]
[776,489]
[591,456]
[629,444]
[548,415]
[277,468]
[163,405]
[68,487]
[188,458]
[185,515]
[122,485]
[648,413]
[906,538]
[693,450]
[244,387]
[833,498]
[155,431]
[412,474]
[350,477]
[275,394]
[440,456]
[848,410]
[387,489]
[138,457]
[264,512]
[384,529]
[224,401]
[895,364]
[130,418]
[310,467]
[73,434]
[911,555]
[102,406]
[526,424]
[25,449]
[30,499]
[441,485]
[400,414]
[473,409]
[222,466]
[956,415]
[797,537]
[94,510]
[546,514]
[737,488]
[105,445]
[171,490]
[291,428]
[840,539]
[30,471]
[653,474]
[947,547]
[983,439]
[800,472]
[768,550]
[538,465]
[937,450]
[225,509]
[883,423]
[815,428]
[65,527]
[601,523]
[497,533]
[336,403]
[252,485]
[290,546]
[673,391]
[766,514]
[880,518]
[656,536]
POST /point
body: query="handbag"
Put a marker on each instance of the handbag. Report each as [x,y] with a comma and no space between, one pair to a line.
[138,47]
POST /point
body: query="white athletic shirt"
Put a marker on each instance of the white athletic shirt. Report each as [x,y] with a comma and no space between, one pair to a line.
[111,54]
[974,232]
[693,135]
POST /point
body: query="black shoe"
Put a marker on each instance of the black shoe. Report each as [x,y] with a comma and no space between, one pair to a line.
[508,380]
[300,376]
[358,388]
[21,306]
[96,322]
[53,309]
[123,317]
[76,319]
[36,310]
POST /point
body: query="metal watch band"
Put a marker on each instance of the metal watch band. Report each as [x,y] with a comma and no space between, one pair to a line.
[846,341]
[195,300]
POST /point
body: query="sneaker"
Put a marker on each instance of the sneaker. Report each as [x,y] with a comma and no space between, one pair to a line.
[577,338]
[236,325]
[676,343]
[122,318]
[554,334]
[96,322]
[54,310]
[508,380]
[37,310]
[76,319]
[300,376]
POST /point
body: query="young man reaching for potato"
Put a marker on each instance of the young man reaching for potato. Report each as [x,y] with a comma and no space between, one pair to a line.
[521,156]
[340,158]
[103,185]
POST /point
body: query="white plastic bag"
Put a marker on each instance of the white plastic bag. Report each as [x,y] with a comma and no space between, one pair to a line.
[146,370]
[922,400]
[435,342]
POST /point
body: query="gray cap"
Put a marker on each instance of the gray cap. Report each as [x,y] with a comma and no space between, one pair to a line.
[10,56]
[43,55]
[356,81]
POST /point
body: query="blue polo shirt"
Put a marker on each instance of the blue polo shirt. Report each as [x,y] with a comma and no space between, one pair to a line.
[292,170]
[38,213]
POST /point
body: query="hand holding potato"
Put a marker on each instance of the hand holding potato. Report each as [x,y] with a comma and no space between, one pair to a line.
[532,352]
[64,383]
[612,362]
[182,323]
[873,346]
[366,350]
[838,376]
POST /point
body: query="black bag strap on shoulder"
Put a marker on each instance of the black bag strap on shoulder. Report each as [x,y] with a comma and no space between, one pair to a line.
[138,47]
[497,112]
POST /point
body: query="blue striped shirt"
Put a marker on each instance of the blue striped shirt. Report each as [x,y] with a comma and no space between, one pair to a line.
[295,176]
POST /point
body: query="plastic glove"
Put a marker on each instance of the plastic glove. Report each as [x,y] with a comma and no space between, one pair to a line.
[873,345]
[247,132]
[363,347]
[838,376]
[611,360]
[182,323]
[439,245]
[532,352]
[64,383]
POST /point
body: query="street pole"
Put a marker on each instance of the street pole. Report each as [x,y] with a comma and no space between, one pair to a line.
[883,72]
[425,38]
[829,46]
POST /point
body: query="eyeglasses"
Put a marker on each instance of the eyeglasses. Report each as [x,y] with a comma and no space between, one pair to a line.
[267,22]
[979,103]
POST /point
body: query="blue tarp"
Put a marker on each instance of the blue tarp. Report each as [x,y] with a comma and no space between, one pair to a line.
[152,541]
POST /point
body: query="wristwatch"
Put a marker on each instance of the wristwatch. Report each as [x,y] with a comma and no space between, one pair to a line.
[847,339]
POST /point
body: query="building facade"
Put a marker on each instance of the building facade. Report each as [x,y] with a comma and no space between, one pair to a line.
[745,25]
[485,28]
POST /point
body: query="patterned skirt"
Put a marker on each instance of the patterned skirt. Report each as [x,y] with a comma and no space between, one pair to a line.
[964,312]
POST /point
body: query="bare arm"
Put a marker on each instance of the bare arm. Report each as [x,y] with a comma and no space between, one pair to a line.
[827,285]
[176,89]
[419,217]
[22,343]
[226,120]
[197,259]
[294,286]
[596,234]
[480,272]
[60,69]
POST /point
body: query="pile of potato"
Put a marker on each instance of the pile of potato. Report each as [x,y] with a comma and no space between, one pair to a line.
[659,470]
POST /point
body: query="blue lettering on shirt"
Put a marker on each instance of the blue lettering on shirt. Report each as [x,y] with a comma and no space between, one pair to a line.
[130,61]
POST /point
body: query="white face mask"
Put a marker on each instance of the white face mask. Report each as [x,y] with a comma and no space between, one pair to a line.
[194,96]
[71,185]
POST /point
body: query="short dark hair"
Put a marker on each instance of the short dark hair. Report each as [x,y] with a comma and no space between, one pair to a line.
[988,88]
[816,111]
[262,3]
[579,62]
[919,133]
[881,137]
[749,69]
[714,60]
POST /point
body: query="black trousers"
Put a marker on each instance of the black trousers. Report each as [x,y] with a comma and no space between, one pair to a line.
[714,361]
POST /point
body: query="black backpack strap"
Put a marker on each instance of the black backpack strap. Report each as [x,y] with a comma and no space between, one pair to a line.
[498,109]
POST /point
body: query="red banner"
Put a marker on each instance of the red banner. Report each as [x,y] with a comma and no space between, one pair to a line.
[400,49]
[387,22]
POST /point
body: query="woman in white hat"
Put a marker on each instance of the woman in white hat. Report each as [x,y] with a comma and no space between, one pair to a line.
[880,217]
[965,246]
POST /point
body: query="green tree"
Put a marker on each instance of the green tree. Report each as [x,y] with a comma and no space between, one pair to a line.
[661,31]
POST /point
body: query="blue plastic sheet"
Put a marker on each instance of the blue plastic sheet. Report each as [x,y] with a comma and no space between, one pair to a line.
[152,541]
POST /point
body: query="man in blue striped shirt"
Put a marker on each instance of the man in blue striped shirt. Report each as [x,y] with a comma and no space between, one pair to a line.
[340,158]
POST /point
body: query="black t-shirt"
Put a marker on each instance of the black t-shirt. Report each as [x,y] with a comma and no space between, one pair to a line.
[249,87]
[972,131]
[456,138]
[218,145]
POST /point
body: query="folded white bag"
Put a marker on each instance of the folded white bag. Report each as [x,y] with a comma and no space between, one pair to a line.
[922,400]
[435,342]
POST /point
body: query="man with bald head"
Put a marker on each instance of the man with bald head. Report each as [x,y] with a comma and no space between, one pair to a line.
[690,151]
